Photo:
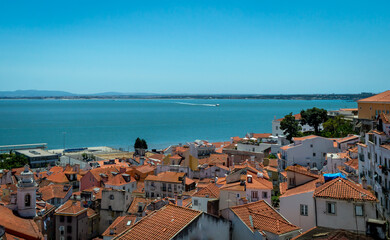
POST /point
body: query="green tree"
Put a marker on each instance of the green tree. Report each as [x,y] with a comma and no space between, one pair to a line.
[290,126]
[140,144]
[337,127]
[9,161]
[314,117]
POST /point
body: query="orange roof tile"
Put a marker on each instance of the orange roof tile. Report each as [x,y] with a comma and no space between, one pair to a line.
[210,191]
[119,225]
[305,138]
[261,135]
[301,170]
[165,223]
[264,218]
[54,191]
[189,181]
[381,97]
[118,180]
[70,207]
[145,168]
[259,183]
[282,187]
[133,209]
[23,228]
[297,117]
[233,187]
[58,177]
[346,139]
[166,177]
[140,187]
[353,163]
[343,189]
[304,188]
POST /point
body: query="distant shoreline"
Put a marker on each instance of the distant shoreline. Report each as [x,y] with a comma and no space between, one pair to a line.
[348,97]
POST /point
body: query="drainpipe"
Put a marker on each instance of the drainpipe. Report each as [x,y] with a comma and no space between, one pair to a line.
[315,210]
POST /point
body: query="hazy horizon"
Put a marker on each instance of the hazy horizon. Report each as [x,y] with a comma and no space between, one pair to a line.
[195,47]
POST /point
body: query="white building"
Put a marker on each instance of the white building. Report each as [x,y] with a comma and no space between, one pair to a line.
[259,220]
[276,131]
[307,151]
[165,184]
[374,164]
[121,182]
[201,198]
[342,204]
[26,194]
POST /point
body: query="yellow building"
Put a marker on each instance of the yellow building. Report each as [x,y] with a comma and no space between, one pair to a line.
[371,107]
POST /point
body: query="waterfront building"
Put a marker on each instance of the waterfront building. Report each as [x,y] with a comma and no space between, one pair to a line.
[372,107]
[39,158]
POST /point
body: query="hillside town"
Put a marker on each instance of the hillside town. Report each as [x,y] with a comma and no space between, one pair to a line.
[318,175]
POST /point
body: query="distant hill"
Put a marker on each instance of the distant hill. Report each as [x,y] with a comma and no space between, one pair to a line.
[35,93]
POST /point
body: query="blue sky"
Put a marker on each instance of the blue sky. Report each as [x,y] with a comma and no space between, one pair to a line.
[265,47]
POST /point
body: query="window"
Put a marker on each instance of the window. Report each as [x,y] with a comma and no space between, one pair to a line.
[311,145]
[331,207]
[254,195]
[238,195]
[27,200]
[292,181]
[68,238]
[69,229]
[359,210]
[276,127]
[62,218]
[265,195]
[112,197]
[314,154]
[69,219]
[196,202]
[303,210]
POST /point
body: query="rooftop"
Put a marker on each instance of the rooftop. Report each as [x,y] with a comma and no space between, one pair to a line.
[383,97]
[70,208]
[173,177]
[210,191]
[161,224]
[264,218]
[343,189]
[54,191]
[119,225]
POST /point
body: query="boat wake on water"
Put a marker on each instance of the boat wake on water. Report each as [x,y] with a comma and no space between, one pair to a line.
[198,104]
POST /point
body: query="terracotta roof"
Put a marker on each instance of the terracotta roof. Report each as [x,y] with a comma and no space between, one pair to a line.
[70,207]
[58,177]
[54,191]
[161,224]
[301,170]
[323,233]
[214,159]
[259,183]
[386,146]
[97,191]
[297,117]
[177,157]
[107,170]
[23,228]
[133,209]
[140,187]
[90,212]
[145,168]
[119,225]
[264,218]
[233,187]
[346,139]
[348,109]
[304,188]
[56,169]
[305,138]
[343,189]
[385,118]
[261,135]
[381,97]
[189,181]
[118,180]
[271,169]
[283,187]
[166,177]
[210,191]
[353,163]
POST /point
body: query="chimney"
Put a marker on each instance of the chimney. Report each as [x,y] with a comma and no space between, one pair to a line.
[114,173]
[179,200]
[122,169]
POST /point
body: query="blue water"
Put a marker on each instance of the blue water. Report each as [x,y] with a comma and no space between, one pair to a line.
[117,123]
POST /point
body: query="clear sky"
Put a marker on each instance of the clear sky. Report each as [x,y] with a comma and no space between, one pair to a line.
[264,47]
